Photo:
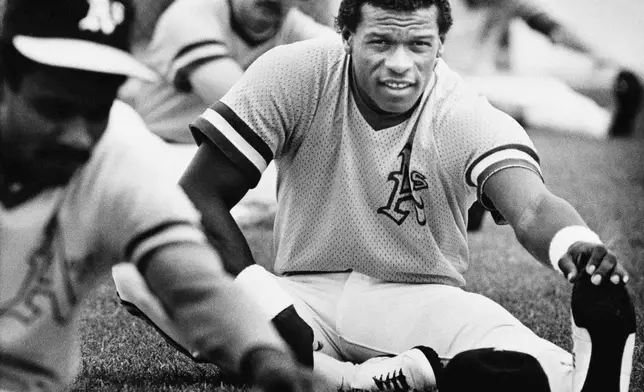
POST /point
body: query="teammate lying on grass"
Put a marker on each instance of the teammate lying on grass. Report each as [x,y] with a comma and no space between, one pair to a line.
[81,187]
[380,150]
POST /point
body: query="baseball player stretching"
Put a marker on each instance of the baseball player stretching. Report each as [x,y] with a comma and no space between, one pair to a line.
[202,47]
[81,188]
[380,150]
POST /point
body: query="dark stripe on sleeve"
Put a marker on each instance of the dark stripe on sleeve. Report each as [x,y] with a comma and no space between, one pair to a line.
[196,45]
[493,169]
[182,78]
[244,130]
[23,365]
[136,241]
[202,130]
[520,147]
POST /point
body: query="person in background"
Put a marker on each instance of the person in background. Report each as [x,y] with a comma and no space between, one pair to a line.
[81,188]
[477,50]
[199,60]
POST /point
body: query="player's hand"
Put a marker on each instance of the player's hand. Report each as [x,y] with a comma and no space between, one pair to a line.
[272,370]
[595,260]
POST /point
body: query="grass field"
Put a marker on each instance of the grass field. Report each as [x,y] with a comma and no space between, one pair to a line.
[604,180]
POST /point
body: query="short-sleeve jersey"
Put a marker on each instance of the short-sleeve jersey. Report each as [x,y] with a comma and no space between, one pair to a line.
[57,245]
[389,202]
[190,33]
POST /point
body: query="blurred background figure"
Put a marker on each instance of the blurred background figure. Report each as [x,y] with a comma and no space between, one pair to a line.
[201,48]
[492,45]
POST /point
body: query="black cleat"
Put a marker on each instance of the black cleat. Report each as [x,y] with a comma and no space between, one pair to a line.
[603,327]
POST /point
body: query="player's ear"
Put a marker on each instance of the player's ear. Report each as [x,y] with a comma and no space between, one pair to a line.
[347,39]
[439,53]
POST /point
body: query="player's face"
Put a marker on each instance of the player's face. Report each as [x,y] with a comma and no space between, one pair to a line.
[393,55]
[262,19]
[47,133]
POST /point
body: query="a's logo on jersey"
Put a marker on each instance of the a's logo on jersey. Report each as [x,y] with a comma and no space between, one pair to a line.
[103,16]
[50,284]
[402,200]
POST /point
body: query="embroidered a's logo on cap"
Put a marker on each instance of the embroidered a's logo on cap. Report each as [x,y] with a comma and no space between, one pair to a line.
[103,16]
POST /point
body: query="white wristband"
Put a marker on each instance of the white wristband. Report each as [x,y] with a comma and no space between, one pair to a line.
[262,287]
[567,236]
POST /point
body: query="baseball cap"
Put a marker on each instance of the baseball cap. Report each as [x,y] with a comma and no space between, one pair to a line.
[88,35]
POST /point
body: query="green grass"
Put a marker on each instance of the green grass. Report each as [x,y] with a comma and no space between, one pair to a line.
[604,180]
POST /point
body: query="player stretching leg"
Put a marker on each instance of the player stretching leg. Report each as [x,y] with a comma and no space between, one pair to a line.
[380,150]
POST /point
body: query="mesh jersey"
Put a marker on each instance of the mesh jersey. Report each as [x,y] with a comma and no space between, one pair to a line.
[55,247]
[190,33]
[390,203]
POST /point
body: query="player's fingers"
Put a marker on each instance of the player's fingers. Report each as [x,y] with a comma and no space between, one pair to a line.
[619,274]
[604,269]
[568,267]
[596,255]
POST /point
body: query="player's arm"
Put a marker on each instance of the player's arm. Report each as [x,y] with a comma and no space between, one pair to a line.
[541,20]
[215,184]
[223,323]
[549,227]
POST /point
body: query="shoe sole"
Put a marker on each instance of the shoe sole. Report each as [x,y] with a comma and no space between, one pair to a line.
[605,315]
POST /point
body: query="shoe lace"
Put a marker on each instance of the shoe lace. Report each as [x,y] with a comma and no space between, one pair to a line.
[392,382]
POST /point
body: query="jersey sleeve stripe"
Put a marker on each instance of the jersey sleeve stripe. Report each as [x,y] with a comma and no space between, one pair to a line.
[231,134]
[501,153]
[202,130]
[181,79]
[497,167]
[9,361]
[244,130]
[162,234]
[186,58]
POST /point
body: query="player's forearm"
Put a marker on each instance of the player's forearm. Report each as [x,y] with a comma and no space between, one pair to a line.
[199,296]
[538,225]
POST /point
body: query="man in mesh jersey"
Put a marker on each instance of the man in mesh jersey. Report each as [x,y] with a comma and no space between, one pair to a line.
[380,150]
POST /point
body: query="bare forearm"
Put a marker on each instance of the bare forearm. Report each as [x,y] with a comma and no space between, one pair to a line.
[199,296]
[538,225]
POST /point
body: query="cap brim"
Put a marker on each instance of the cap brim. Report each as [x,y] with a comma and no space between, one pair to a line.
[82,55]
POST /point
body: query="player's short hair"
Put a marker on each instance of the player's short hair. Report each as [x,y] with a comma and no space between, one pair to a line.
[349,15]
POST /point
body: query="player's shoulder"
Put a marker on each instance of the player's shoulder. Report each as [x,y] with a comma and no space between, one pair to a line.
[127,137]
[303,56]
[458,108]
[187,13]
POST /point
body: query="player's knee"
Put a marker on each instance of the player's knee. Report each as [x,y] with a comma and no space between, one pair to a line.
[489,369]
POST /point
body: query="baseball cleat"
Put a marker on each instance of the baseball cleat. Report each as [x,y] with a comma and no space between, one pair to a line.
[416,369]
[603,330]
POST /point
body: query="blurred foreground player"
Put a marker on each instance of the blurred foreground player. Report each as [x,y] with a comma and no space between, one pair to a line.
[80,189]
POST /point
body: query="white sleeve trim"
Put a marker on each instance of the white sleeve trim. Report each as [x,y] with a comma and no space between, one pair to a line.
[235,138]
[499,156]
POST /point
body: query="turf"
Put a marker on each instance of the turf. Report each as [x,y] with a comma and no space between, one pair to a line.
[604,180]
